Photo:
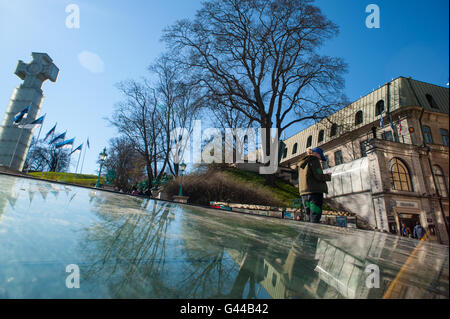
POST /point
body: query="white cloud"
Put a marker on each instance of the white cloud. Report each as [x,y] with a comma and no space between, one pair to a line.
[91,62]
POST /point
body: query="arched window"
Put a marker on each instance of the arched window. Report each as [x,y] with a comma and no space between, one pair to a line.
[431,101]
[359,117]
[321,133]
[333,130]
[427,134]
[400,178]
[440,180]
[379,108]
[285,153]
[294,150]
[309,141]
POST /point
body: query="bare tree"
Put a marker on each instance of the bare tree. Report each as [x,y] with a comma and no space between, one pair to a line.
[126,162]
[43,156]
[261,58]
[137,118]
[179,104]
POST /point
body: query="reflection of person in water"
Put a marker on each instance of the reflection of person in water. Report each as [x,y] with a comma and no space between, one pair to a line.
[249,271]
[300,265]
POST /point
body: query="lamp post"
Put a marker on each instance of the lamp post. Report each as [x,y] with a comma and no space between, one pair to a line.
[182,169]
[103,157]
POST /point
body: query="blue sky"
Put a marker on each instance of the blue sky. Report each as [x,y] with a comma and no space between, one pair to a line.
[122,38]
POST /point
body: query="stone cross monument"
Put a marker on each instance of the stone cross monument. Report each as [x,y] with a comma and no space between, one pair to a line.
[28,93]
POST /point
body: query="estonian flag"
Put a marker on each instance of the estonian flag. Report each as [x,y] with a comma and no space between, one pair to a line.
[59,138]
[65,144]
[50,133]
[78,149]
[381,121]
[21,115]
[35,123]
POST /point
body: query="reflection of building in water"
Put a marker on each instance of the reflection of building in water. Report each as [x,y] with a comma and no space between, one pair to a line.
[403,176]
[338,268]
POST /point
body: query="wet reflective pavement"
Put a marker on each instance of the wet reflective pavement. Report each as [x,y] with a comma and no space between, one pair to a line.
[129,247]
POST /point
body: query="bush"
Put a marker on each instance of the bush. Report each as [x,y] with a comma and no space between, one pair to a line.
[220,186]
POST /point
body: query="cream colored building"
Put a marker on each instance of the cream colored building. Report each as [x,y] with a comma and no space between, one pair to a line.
[405,163]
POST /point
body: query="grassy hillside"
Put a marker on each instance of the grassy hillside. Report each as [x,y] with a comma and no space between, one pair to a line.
[233,186]
[282,191]
[79,179]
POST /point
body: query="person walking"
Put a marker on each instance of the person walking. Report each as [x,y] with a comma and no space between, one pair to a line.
[312,184]
[418,231]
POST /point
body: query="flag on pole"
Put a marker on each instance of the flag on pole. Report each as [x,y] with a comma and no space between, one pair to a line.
[52,130]
[35,123]
[392,123]
[21,115]
[381,121]
[399,127]
[78,149]
[65,144]
[87,142]
[59,138]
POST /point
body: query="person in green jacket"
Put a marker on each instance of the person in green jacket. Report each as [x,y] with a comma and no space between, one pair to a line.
[312,184]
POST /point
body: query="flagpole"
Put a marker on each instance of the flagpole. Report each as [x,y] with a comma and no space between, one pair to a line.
[78,162]
[82,163]
[37,140]
[68,166]
[15,149]
[51,139]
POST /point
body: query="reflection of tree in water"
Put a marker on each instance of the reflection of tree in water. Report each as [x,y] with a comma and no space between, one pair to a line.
[213,274]
[128,248]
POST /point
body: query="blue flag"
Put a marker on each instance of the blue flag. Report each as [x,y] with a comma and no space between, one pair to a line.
[392,123]
[87,142]
[65,144]
[21,115]
[35,123]
[59,138]
[52,130]
[78,149]
[381,122]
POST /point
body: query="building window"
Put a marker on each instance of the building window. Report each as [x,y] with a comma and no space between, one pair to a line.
[333,130]
[338,159]
[309,142]
[387,136]
[321,133]
[400,178]
[363,146]
[379,108]
[444,136]
[427,135]
[294,150]
[359,118]
[285,152]
[440,180]
[431,101]
[326,164]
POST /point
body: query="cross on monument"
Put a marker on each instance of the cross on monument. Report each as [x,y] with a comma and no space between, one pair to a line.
[37,71]
[14,141]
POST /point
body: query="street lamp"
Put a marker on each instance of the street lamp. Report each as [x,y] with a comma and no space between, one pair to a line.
[103,157]
[182,169]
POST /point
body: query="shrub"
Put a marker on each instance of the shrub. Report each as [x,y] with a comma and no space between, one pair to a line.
[220,186]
